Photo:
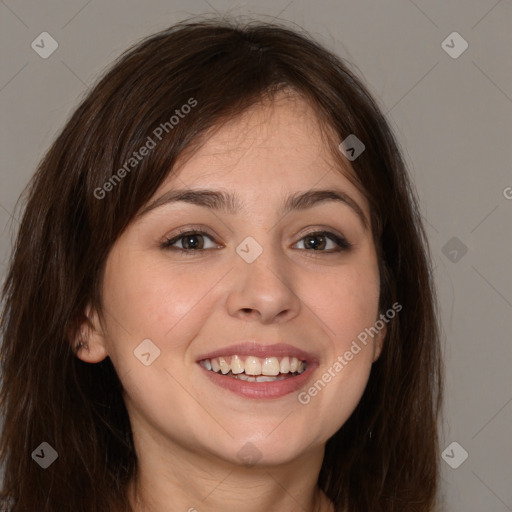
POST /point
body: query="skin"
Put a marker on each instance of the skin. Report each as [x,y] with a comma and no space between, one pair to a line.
[187,431]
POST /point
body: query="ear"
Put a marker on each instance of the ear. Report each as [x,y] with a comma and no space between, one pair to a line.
[87,338]
[378,342]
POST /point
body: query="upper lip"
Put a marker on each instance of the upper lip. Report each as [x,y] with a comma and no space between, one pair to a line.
[254,348]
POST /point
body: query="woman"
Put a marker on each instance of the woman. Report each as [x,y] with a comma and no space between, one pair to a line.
[220,294]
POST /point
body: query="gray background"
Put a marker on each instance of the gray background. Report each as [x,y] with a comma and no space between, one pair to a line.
[452,116]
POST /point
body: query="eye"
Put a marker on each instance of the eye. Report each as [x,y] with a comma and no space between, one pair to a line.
[318,241]
[191,241]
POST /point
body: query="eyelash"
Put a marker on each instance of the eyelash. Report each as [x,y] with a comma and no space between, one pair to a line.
[343,244]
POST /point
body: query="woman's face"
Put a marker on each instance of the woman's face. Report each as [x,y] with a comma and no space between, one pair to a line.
[255,276]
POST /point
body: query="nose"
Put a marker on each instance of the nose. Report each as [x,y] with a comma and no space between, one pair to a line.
[263,290]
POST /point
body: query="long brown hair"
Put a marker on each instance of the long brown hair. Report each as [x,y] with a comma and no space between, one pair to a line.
[72,219]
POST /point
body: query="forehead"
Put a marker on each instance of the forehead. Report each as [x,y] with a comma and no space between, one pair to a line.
[274,155]
[271,152]
[286,122]
[274,139]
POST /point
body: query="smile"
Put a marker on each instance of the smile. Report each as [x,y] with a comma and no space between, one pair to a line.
[256,369]
[258,385]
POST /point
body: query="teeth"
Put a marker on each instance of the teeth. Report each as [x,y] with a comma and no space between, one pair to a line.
[269,368]
[236,365]
[224,366]
[259,378]
[252,366]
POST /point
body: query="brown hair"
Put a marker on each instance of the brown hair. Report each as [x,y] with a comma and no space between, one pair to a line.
[50,395]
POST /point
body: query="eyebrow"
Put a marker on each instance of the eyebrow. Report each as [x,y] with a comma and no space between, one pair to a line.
[231,203]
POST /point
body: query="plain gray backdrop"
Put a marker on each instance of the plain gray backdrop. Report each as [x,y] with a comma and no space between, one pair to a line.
[451,109]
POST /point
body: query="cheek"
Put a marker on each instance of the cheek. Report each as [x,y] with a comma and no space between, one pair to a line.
[336,392]
[347,309]
[146,296]
[347,303]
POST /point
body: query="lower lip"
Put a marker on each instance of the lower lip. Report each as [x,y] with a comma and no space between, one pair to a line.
[274,389]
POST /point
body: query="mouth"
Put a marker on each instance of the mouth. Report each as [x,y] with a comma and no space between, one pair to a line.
[257,371]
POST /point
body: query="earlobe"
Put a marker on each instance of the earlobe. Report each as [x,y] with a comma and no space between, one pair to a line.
[88,340]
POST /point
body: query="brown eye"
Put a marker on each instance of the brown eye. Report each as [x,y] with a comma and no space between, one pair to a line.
[319,240]
[190,241]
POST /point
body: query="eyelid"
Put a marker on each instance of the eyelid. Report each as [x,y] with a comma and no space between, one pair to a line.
[194,229]
[340,240]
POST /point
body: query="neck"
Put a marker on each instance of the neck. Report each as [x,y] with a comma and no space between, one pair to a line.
[228,499]
[171,477]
